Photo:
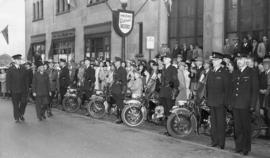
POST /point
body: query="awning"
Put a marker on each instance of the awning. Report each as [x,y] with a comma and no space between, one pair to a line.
[97,29]
[38,38]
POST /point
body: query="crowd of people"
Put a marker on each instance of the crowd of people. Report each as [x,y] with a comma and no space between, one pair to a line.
[237,78]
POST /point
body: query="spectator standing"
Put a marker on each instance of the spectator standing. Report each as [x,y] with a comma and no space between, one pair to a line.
[197,52]
[17,85]
[246,47]
[89,79]
[64,79]
[41,92]
[243,100]
[176,51]
[3,80]
[254,52]
[228,48]
[266,45]
[184,52]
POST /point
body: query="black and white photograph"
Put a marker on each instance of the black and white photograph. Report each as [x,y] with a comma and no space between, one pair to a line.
[134,78]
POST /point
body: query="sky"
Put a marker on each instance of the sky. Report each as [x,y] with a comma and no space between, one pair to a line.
[12,14]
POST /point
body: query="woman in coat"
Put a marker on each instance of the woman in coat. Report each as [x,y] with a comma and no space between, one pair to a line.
[41,91]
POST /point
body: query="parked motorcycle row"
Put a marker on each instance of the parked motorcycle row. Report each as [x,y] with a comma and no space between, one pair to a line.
[186,118]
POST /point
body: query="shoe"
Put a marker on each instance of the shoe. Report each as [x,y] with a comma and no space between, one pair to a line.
[238,151]
[49,114]
[212,145]
[17,121]
[245,153]
[22,118]
[40,119]
[118,121]
[43,117]
[221,147]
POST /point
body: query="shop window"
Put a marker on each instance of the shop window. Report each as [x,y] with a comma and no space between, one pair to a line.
[38,10]
[98,47]
[94,2]
[38,52]
[64,49]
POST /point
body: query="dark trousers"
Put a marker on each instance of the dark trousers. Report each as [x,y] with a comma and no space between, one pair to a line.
[63,91]
[42,103]
[167,103]
[19,101]
[218,115]
[242,125]
[119,101]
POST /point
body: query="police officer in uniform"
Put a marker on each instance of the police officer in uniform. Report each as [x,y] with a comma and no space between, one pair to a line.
[217,96]
[243,100]
[17,86]
[119,87]
[64,79]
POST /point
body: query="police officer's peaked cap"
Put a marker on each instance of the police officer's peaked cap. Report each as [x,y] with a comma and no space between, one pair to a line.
[266,60]
[217,55]
[17,57]
[63,60]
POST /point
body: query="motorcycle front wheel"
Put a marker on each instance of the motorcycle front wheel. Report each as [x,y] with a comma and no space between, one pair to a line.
[96,109]
[132,115]
[179,125]
[71,104]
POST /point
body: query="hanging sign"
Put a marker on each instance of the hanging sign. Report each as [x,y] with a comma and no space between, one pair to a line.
[123,22]
[150,42]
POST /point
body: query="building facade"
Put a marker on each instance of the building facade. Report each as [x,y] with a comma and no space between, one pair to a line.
[208,22]
[76,29]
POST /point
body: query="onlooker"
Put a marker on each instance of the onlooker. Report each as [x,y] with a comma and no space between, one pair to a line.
[3,77]
[64,79]
[228,48]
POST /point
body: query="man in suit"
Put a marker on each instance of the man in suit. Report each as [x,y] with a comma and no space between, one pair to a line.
[119,87]
[217,86]
[17,86]
[246,47]
[169,81]
[265,93]
[176,51]
[64,79]
[244,94]
[89,79]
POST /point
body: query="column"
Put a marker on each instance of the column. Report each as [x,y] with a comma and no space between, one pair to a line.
[213,32]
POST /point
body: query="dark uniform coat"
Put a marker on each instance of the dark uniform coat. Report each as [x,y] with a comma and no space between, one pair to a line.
[17,85]
[244,96]
[217,90]
[64,81]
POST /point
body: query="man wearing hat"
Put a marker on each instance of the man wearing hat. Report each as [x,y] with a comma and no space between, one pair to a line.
[119,87]
[89,79]
[217,92]
[17,85]
[169,82]
[243,99]
[64,79]
[265,93]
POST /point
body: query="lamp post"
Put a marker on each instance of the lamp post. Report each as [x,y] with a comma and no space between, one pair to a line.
[123,52]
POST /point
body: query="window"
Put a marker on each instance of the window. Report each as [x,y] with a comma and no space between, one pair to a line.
[94,2]
[38,10]
[62,7]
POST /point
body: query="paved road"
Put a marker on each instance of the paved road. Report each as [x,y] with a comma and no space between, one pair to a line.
[72,136]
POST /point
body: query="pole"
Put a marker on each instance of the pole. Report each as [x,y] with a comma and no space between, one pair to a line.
[123,56]
[150,55]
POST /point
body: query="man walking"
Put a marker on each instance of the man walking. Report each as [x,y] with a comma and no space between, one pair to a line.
[217,96]
[243,99]
[17,86]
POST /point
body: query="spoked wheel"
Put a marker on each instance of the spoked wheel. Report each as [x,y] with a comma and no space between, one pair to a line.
[96,109]
[256,125]
[179,125]
[71,104]
[132,115]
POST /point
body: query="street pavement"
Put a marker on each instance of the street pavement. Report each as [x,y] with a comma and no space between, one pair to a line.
[75,136]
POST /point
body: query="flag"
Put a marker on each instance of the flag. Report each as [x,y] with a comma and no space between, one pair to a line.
[5,34]
[168,4]
[72,3]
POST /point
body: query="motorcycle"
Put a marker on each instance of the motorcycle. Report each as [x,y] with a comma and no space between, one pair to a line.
[101,102]
[183,119]
[72,102]
[137,110]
